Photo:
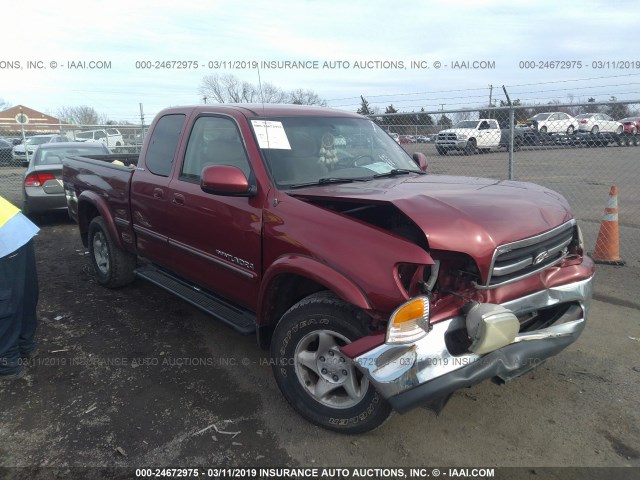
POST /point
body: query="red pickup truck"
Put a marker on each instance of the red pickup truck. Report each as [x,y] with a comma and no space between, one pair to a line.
[376,286]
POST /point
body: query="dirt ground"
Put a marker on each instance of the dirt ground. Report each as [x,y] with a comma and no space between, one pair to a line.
[136,377]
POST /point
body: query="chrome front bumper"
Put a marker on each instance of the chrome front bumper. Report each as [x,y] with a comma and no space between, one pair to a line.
[427,372]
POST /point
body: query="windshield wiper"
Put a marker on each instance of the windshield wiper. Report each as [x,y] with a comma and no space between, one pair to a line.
[395,172]
[326,181]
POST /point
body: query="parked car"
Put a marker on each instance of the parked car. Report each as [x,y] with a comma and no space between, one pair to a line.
[554,122]
[374,285]
[406,139]
[42,189]
[631,125]
[33,142]
[598,123]
[13,140]
[111,137]
[423,139]
[6,149]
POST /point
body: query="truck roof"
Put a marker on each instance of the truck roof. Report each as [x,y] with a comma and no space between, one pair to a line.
[260,110]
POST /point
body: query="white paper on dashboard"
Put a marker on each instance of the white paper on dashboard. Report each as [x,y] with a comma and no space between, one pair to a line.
[270,134]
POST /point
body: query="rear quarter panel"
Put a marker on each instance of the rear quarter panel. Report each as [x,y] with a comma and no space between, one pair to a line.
[99,187]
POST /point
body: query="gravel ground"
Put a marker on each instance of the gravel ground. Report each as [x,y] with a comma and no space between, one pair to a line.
[137,378]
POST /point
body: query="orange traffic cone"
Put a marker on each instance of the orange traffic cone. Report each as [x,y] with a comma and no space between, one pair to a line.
[607,249]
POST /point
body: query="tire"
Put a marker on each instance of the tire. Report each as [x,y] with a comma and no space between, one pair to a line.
[113,266]
[635,141]
[543,130]
[619,130]
[595,130]
[571,130]
[306,357]
[471,148]
[441,151]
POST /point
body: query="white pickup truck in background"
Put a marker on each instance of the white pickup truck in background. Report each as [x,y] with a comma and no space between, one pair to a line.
[111,137]
[470,137]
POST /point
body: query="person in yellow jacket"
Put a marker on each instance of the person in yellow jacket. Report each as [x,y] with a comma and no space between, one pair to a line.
[18,291]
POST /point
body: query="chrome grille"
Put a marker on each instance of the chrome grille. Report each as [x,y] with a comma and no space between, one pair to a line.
[526,257]
[447,136]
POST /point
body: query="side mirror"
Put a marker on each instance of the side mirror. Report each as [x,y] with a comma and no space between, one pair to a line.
[421,160]
[226,180]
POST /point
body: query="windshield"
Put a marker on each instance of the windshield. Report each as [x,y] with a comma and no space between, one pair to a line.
[53,156]
[541,116]
[38,140]
[466,124]
[300,150]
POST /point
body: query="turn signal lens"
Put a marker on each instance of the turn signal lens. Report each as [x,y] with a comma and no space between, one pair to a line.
[410,321]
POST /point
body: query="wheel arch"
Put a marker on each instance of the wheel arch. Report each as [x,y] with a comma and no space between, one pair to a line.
[292,278]
[90,205]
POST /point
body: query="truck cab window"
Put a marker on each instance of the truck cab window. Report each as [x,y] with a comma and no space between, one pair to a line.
[163,144]
[213,141]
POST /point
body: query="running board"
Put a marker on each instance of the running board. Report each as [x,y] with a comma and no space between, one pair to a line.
[240,319]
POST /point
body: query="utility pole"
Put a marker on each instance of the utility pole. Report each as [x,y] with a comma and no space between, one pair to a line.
[205,99]
[142,122]
[490,97]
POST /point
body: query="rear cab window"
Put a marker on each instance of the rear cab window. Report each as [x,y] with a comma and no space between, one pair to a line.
[163,144]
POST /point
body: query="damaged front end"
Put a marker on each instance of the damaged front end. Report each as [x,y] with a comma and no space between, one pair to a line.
[459,327]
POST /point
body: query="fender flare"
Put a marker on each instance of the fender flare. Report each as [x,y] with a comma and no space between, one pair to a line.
[312,269]
[95,200]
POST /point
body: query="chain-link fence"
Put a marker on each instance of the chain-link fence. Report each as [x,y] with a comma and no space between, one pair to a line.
[578,150]
[18,142]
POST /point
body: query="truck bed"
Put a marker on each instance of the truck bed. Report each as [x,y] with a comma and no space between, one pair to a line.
[97,176]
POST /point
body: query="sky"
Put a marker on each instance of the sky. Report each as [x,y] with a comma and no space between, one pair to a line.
[386,51]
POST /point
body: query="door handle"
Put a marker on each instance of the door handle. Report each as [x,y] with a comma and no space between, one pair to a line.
[178,199]
[158,193]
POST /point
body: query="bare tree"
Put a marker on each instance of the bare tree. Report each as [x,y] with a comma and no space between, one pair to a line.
[4,104]
[305,97]
[81,115]
[227,88]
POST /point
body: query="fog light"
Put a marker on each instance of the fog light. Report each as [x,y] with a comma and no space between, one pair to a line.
[490,326]
[409,322]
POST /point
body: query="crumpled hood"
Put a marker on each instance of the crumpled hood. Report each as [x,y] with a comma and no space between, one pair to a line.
[470,215]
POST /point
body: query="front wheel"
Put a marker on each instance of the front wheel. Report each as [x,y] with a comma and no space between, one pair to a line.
[570,130]
[113,266]
[314,376]
[471,148]
[619,130]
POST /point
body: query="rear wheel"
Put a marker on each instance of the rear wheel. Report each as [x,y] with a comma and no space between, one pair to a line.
[113,266]
[314,376]
[543,129]
[570,130]
[595,130]
[619,130]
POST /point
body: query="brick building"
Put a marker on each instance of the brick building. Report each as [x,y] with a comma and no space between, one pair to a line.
[35,122]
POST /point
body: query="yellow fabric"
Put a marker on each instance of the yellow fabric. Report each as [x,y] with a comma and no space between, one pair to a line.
[7,211]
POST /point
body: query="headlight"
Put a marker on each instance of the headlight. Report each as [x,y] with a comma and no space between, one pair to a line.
[409,322]
[463,137]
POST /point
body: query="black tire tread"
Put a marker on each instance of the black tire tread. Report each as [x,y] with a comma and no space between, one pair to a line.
[123,264]
[321,300]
